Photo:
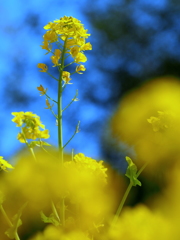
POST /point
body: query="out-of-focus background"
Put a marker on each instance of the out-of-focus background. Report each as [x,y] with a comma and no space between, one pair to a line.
[133,41]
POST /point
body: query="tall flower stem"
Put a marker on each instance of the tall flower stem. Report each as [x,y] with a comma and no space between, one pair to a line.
[118,212]
[60,125]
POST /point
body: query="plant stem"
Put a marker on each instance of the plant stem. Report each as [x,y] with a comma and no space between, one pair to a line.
[60,126]
[8,221]
[76,131]
[27,144]
[125,196]
[55,211]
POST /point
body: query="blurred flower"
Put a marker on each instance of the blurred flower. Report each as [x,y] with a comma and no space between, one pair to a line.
[141,223]
[162,122]
[149,120]
[4,165]
[54,233]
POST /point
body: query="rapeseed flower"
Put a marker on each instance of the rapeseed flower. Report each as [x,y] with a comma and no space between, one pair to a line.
[148,120]
[55,58]
[43,67]
[66,77]
[54,233]
[80,68]
[141,223]
[73,34]
[30,125]
[42,90]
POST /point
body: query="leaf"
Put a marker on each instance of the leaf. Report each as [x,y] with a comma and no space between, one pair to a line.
[51,219]
[16,222]
[131,172]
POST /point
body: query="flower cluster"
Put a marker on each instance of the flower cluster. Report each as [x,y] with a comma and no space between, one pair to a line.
[70,36]
[30,125]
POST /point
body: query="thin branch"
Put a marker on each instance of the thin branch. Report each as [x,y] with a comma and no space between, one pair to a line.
[76,131]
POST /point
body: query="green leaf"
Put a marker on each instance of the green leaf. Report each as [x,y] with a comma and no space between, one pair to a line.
[16,221]
[51,219]
[131,172]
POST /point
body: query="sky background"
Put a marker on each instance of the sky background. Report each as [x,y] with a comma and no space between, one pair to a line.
[21,34]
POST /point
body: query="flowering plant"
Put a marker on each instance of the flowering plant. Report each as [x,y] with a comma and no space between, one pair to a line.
[75,194]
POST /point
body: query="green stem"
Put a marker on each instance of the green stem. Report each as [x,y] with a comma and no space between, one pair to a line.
[52,76]
[76,131]
[55,211]
[125,196]
[60,127]
[50,98]
[8,221]
[74,99]
[27,144]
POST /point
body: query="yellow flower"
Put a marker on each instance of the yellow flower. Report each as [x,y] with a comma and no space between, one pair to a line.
[141,223]
[80,58]
[50,36]
[86,46]
[66,77]
[31,126]
[56,57]
[42,90]
[154,137]
[4,164]
[54,233]
[70,43]
[46,46]
[74,51]
[43,67]
[80,68]
[49,106]
[68,27]
[93,166]
[19,118]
